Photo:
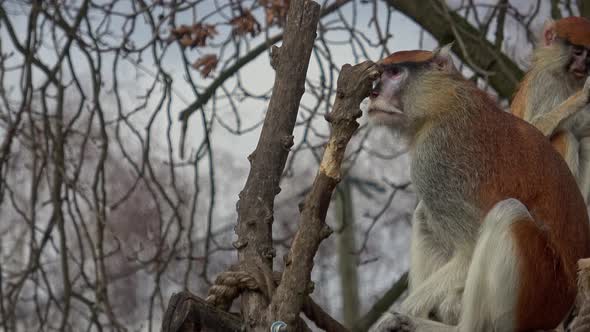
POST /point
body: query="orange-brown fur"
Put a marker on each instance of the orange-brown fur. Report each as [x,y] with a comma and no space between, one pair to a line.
[405,56]
[518,105]
[559,142]
[540,308]
[532,172]
[574,29]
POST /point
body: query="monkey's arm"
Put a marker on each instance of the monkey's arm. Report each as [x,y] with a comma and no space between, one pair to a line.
[548,123]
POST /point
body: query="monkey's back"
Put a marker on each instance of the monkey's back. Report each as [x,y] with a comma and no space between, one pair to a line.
[519,162]
[498,156]
[522,164]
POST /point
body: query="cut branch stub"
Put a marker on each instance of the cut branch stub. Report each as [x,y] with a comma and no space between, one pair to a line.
[351,91]
[354,84]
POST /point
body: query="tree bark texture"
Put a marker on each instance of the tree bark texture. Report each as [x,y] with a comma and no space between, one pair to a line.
[256,202]
[354,84]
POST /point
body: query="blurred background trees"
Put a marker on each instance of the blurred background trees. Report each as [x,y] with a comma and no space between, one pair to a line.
[125,127]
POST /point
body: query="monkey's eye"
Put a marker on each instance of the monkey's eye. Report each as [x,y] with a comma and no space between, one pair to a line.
[394,71]
[578,50]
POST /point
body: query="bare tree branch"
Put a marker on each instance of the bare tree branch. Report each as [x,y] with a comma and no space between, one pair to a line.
[481,53]
[383,304]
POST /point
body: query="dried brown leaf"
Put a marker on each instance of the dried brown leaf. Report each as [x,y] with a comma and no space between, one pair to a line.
[245,23]
[276,11]
[202,32]
[206,64]
[194,35]
[180,31]
[186,41]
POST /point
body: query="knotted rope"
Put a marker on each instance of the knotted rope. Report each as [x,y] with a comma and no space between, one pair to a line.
[230,284]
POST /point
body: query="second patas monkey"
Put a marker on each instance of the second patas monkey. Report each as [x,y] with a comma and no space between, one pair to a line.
[554,98]
[500,224]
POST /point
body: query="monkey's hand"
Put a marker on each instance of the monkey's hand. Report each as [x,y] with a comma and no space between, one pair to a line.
[549,122]
[444,304]
[395,322]
[441,292]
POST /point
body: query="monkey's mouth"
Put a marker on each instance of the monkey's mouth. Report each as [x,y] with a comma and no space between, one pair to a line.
[388,117]
[381,112]
[580,73]
[385,107]
[386,110]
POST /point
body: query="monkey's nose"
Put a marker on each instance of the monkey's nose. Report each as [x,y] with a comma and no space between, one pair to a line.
[375,89]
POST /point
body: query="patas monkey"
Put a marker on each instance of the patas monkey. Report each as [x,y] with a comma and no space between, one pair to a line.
[500,224]
[553,96]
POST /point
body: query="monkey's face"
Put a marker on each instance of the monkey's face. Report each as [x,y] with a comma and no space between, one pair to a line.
[385,105]
[570,37]
[400,96]
[579,62]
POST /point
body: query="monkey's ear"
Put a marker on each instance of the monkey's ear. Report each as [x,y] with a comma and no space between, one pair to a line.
[549,33]
[442,59]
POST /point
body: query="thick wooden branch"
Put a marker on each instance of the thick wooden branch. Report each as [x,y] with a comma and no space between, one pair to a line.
[189,313]
[255,207]
[353,86]
[430,15]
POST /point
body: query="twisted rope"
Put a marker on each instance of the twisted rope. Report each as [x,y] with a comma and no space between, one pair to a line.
[230,284]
